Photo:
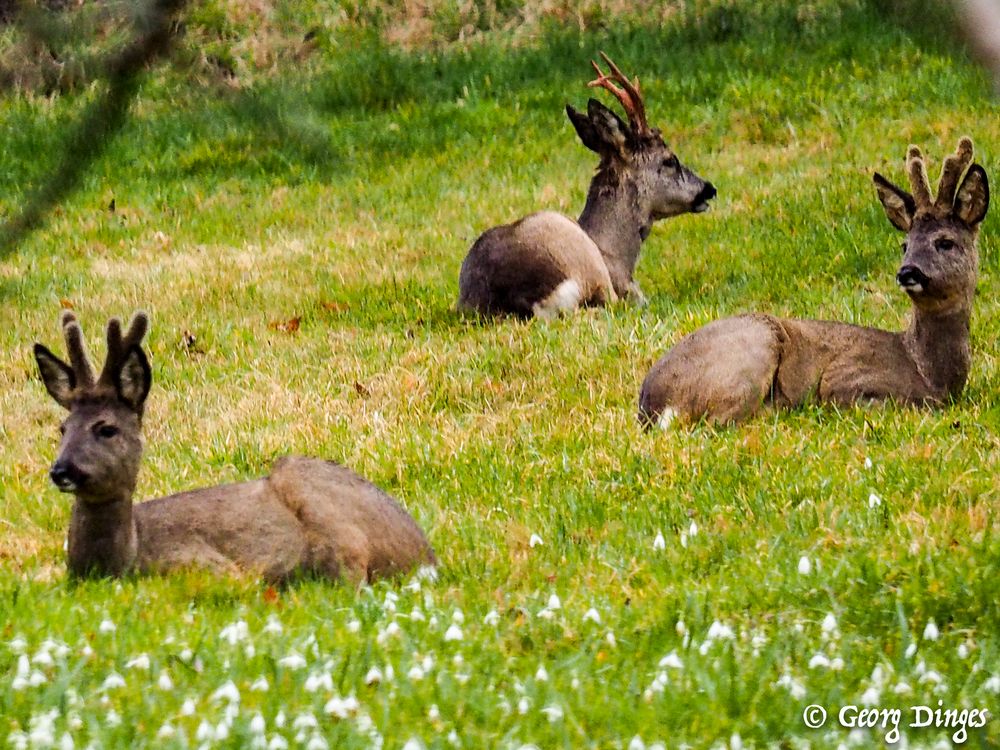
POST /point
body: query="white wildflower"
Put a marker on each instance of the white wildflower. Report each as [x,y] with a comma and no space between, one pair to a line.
[671,660]
[166,731]
[277,743]
[659,543]
[273,625]
[317,680]
[874,500]
[535,541]
[353,626]
[911,650]
[553,713]
[164,682]
[554,602]
[805,565]
[260,685]
[610,639]
[294,660]
[413,744]
[139,662]
[106,626]
[871,697]
[931,632]
[235,632]
[523,706]
[416,673]
[592,615]
[228,691]
[541,674]
[112,681]
[992,685]
[342,707]
[492,617]
[374,676]
[454,633]
[434,713]
[188,708]
[829,624]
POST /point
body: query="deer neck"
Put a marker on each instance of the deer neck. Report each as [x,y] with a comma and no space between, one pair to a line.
[103,537]
[614,221]
[938,342]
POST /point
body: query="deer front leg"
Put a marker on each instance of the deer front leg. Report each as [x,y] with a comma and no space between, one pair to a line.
[634,295]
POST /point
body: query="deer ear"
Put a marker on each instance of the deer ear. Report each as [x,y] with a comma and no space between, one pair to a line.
[606,132]
[584,129]
[58,377]
[972,199]
[898,204]
[134,379]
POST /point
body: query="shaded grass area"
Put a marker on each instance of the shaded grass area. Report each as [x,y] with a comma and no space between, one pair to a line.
[346,196]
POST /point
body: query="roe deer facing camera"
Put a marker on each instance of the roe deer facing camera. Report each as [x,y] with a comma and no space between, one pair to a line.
[308,516]
[546,262]
[728,369]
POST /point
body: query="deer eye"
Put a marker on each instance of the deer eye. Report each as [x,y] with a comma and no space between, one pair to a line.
[902,246]
[944,245]
[106,430]
[671,162]
[62,429]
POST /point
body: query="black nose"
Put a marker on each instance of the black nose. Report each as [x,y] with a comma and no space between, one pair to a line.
[707,193]
[911,277]
[66,476]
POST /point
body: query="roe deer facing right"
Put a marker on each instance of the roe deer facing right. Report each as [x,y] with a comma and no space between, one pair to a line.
[308,516]
[546,262]
[728,369]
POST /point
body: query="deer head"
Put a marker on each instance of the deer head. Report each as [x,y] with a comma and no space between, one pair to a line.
[101,439]
[940,260]
[636,153]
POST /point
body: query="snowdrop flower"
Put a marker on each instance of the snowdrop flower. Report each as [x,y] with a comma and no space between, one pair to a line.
[805,565]
[902,688]
[819,660]
[294,660]
[963,651]
[188,708]
[659,543]
[106,626]
[911,650]
[139,662]
[112,718]
[273,626]
[610,639]
[592,615]
[260,685]
[228,692]
[868,462]
[829,624]
[992,685]
[389,605]
[41,729]
[235,632]
[416,615]
[735,742]
[391,631]
[305,721]
[257,724]
[523,705]
[720,631]
[692,530]
[427,663]
[931,632]
[416,673]
[374,676]
[553,713]
[413,744]
[18,645]
[874,500]
[636,743]
[316,742]
[353,626]
[164,682]
[795,688]
[433,713]
[112,681]
[684,539]
[871,696]
[547,614]
[554,602]
[222,731]
[277,743]
[318,680]
[185,655]
[454,633]
[166,731]
[458,617]
[342,707]
[931,676]
[492,617]
[541,675]
[836,664]
[453,739]
[535,541]
[681,628]
[671,660]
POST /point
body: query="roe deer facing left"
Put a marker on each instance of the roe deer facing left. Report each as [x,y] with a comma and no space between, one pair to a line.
[308,516]
[546,262]
[728,369]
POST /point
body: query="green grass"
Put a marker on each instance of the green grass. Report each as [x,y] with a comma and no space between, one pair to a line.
[346,191]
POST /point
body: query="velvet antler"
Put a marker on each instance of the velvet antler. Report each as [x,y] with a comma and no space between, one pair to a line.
[629,94]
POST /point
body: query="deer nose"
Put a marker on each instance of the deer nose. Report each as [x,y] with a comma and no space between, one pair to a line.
[708,192]
[912,279]
[65,476]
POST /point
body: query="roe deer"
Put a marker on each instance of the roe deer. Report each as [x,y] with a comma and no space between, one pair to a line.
[308,516]
[728,369]
[546,262]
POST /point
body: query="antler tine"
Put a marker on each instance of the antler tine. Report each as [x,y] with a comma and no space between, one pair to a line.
[629,95]
[119,346]
[77,350]
[917,170]
[951,172]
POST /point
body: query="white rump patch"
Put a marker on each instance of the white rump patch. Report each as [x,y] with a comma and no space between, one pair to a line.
[667,417]
[566,296]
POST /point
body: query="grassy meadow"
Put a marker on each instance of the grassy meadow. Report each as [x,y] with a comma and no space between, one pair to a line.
[295,231]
